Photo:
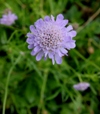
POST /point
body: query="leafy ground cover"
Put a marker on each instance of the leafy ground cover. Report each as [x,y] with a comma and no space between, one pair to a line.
[40,87]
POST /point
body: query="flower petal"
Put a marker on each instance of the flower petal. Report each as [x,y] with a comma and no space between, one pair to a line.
[59,53]
[72,33]
[33,52]
[52,18]
[47,18]
[60,21]
[30,40]
[70,44]
[50,54]
[69,28]
[45,58]
[39,23]
[30,35]
[64,51]
[39,56]
[37,48]
[53,60]
[59,17]
[58,59]
[30,46]
[32,29]
[64,23]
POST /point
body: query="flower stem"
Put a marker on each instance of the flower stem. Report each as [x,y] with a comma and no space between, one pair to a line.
[7,83]
[42,92]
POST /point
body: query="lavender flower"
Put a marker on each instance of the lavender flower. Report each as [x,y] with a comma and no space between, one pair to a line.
[8,19]
[81,86]
[50,38]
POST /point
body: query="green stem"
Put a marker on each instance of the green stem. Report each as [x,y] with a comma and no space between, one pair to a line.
[42,92]
[7,83]
[77,74]
[86,60]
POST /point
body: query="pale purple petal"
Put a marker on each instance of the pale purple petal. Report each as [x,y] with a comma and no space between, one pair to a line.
[37,49]
[58,59]
[30,40]
[46,53]
[33,52]
[70,44]
[63,50]
[39,23]
[64,23]
[72,33]
[50,55]
[82,86]
[39,56]
[32,28]
[59,52]
[69,28]
[30,46]
[47,18]
[30,35]
[52,17]
[45,58]
[60,21]
[59,17]
[53,60]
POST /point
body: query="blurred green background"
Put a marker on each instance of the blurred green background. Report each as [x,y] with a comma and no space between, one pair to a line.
[40,87]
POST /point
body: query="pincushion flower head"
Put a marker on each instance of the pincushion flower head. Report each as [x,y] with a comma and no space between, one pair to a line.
[82,86]
[49,38]
[8,19]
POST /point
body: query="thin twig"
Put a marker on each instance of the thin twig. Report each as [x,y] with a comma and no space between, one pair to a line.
[90,19]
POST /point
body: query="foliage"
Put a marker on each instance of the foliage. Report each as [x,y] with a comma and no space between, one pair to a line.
[36,87]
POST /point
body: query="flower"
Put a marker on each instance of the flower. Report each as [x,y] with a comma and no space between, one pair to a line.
[8,19]
[81,86]
[49,38]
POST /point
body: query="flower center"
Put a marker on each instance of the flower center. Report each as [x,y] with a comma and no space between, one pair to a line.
[50,37]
